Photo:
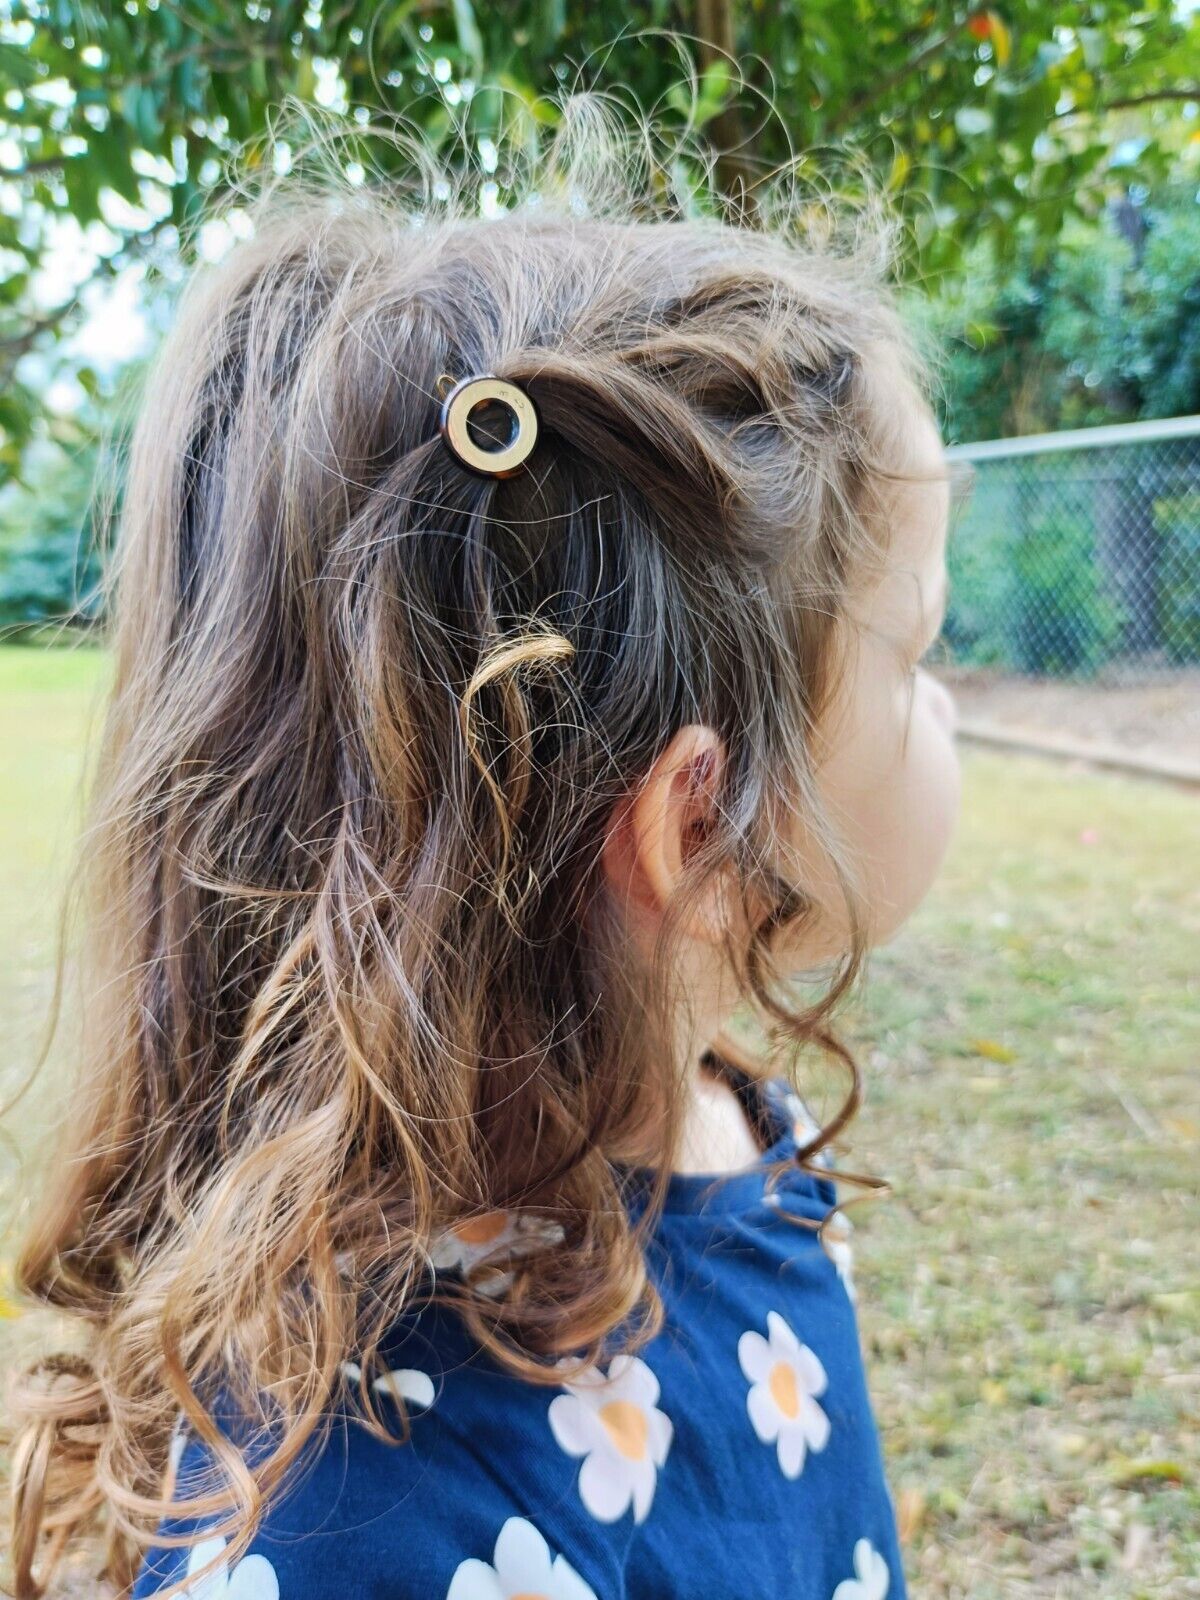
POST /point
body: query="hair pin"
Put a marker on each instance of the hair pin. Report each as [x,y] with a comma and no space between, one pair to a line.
[490,425]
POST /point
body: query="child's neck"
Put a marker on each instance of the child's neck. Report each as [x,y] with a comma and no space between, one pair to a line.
[716,1135]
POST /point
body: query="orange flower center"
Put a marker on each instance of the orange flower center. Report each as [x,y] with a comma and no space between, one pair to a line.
[784,1392]
[481,1230]
[627,1427]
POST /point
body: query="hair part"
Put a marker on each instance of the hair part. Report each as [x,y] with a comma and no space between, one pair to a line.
[353,977]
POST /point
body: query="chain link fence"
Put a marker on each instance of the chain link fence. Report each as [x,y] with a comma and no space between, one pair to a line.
[1077,555]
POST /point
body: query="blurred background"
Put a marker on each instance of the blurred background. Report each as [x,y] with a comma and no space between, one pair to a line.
[1030,1295]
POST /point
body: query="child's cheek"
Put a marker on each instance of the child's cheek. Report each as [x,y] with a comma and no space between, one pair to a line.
[889,784]
[941,701]
[893,790]
[932,783]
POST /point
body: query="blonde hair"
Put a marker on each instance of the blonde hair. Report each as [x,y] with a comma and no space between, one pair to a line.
[353,975]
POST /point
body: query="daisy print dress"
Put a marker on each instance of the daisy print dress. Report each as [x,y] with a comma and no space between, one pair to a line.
[733,1456]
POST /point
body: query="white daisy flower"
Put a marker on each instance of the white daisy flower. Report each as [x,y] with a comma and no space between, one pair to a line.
[614,1422]
[473,1240]
[838,1232]
[805,1126]
[399,1384]
[499,1234]
[178,1444]
[253,1578]
[785,1379]
[521,1569]
[872,1578]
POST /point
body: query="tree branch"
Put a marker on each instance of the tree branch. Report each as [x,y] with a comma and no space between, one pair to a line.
[1151,96]
[19,344]
[41,164]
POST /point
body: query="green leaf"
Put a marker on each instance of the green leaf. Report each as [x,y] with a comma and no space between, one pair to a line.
[714,91]
[470,40]
[17,68]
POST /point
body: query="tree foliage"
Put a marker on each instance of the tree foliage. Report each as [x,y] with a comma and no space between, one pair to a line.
[51,543]
[982,124]
[1107,330]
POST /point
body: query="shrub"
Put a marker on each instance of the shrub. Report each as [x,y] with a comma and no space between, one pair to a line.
[1061,619]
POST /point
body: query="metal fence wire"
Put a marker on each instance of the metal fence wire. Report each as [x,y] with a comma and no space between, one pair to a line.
[1078,554]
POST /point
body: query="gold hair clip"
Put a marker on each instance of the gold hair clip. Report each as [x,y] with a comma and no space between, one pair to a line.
[490,425]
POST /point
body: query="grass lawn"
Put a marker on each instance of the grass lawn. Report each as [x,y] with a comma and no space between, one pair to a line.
[1030,1295]
[45,696]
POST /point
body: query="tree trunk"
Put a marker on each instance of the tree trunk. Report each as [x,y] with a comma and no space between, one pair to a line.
[715,27]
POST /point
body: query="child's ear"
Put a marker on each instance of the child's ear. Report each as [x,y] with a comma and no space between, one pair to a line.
[654,834]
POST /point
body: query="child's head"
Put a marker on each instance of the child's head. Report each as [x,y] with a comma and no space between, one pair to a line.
[441,819]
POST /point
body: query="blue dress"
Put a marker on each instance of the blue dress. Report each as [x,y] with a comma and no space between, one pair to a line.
[735,1455]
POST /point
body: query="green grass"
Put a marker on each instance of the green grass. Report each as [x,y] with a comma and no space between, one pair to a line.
[47,698]
[1030,1295]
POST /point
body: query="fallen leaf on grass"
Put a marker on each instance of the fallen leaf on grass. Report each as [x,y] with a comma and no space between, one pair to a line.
[1176,1301]
[910,1513]
[1129,1474]
[992,1050]
[1071,1444]
[8,1307]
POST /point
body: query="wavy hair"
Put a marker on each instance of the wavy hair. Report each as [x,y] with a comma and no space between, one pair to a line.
[353,975]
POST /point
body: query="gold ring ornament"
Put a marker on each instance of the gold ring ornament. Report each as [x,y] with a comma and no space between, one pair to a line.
[490,425]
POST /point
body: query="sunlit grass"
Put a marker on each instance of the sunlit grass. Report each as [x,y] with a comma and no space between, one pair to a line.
[47,699]
[1032,1294]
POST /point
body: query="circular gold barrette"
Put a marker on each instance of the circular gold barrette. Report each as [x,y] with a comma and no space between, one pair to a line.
[490,425]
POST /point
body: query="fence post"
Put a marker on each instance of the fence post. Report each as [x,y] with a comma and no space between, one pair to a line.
[1127,551]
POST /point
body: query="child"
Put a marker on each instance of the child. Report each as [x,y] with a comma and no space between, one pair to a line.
[475,748]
